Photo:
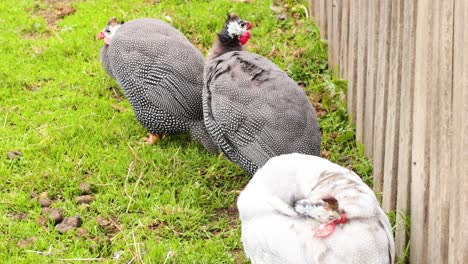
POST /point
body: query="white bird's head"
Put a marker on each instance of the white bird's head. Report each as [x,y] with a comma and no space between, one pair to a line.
[324,210]
[235,30]
[109,31]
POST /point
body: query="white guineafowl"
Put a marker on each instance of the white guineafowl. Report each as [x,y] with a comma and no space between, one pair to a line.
[252,109]
[160,73]
[303,209]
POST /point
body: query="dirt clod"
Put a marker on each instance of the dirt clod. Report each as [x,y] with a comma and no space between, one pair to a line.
[100,242]
[109,224]
[15,154]
[85,188]
[53,11]
[86,199]
[74,221]
[20,216]
[45,202]
[81,232]
[42,220]
[64,11]
[26,242]
[56,214]
[43,195]
[68,224]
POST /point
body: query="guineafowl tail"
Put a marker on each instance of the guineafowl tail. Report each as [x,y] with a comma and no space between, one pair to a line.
[199,132]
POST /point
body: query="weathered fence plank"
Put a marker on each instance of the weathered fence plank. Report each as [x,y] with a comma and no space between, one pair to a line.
[421,132]
[312,7]
[352,59]
[458,178]
[371,80]
[344,39]
[393,106]
[323,18]
[361,69]
[381,93]
[330,36]
[335,44]
[440,138]
[316,13]
[406,119]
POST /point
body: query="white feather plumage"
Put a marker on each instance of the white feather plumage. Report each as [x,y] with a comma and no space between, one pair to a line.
[235,29]
[273,232]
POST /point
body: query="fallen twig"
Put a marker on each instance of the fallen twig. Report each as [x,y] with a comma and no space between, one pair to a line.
[170,254]
[83,259]
[134,190]
[47,253]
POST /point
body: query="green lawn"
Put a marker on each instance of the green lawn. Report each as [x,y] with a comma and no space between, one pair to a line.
[172,202]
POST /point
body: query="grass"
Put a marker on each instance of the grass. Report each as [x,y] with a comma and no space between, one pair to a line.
[167,203]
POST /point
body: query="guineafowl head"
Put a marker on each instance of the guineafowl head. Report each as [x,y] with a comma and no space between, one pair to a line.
[323,209]
[109,31]
[235,30]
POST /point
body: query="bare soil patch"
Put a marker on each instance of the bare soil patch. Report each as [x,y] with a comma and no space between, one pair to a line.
[52,11]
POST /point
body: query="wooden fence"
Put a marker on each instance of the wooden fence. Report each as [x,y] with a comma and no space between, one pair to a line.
[406,62]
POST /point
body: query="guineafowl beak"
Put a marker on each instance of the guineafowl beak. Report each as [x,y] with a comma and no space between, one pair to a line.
[100,35]
[249,25]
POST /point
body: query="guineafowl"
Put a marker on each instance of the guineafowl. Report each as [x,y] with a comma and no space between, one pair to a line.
[160,73]
[252,109]
[302,209]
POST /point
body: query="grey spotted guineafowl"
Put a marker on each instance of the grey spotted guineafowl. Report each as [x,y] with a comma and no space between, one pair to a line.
[160,73]
[252,109]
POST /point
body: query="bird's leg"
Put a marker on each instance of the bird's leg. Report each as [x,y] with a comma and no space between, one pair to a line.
[151,139]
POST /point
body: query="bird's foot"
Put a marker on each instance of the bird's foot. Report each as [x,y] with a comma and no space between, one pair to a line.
[151,139]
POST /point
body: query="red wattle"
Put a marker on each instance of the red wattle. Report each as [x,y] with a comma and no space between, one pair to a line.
[325,230]
[244,38]
[342,220]
[107,40]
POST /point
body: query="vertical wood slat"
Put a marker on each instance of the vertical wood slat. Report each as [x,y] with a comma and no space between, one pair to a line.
[330,36]
[334,46]
[381,93]
[371,80]
[323,18]
[406,119]
[393,104]
[435,131]
[316,13]
[329,7]
[361,69]
[440,139]
[458,242]
[312,4]
[352,59]
[421,132]
[344,39]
